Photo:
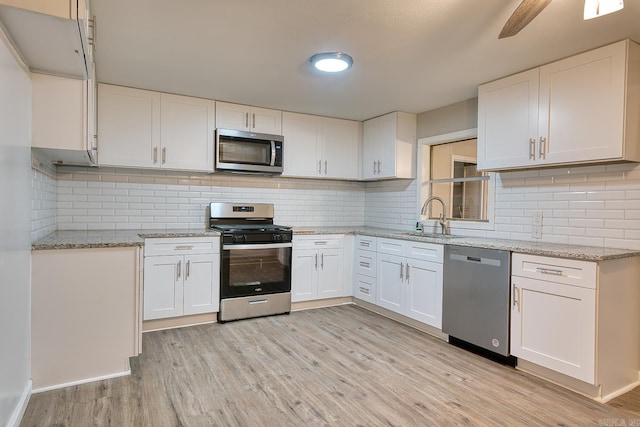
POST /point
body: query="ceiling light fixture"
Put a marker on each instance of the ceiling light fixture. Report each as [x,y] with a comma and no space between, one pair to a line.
[596,8]
[331,62]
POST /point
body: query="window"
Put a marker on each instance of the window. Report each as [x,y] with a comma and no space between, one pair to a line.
[448,168]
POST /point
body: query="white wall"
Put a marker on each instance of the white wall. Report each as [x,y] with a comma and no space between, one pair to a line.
[111,199]
[15,251]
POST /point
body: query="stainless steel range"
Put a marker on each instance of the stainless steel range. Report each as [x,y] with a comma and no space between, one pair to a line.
[255,268]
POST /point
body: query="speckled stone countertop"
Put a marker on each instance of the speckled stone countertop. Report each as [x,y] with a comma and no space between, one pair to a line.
[124,238]
[585,253]
[110,239]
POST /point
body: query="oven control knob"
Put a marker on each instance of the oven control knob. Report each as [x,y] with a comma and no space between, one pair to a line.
[276,237]
[239,238]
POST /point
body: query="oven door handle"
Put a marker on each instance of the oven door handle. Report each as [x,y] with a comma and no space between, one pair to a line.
[273,154]
[262,246]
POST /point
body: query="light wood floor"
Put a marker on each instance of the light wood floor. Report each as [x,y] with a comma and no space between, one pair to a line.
[337,366]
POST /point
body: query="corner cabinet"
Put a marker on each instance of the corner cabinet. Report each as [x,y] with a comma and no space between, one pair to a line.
[141,128]
[577,110]
[578,318]
[63,118]
[317,267]
[389,147]
[320,147]
[410,278]
[247,118]
[181,277]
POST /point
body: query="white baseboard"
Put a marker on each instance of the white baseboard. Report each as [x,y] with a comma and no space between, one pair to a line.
[18,412]
[83,381]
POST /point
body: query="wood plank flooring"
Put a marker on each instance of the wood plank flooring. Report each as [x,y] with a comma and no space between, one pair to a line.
[336,366]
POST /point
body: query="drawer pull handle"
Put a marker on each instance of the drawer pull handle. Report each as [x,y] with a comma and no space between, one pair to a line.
[323,243]
[365,264]
[364,290]
[549,271]
[367,244]
[184,248]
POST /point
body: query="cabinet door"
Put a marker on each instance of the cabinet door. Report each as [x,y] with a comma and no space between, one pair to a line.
[232,116]
[390,292]
[201,283]
[330,273]
[371,143]
[423,299]
[508,122]
[554,326]
[187,127]
[163,287]
[340,148]
[58,112]
[302,145]
[129,127]
[365,288]
[263,120]
[582,106]
[304,275]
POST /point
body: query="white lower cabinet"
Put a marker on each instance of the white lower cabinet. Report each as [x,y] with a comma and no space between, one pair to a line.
[317,267]
[578,318]
[366,269]
[181,277]
[409,279]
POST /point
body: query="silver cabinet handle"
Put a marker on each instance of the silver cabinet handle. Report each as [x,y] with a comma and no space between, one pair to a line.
[92,25]
[183,248]
[402,271]
[366,244]
[164,155]
[408,269]
[379,164]
[374,167]
[325,167]
[246,120]
[322,261]
[178,270]
[364,290]
[316,261]
[254,120]
[543,148]
[155,155]
[551,271]
[320,166]
[188,268]
[516,297]
[364,264]
[532,148]
[321,243]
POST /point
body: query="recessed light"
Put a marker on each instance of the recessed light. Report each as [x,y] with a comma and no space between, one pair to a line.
[331,62]
[595,8]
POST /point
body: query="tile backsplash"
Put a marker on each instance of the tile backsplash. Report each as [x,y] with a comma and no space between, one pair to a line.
[589,205]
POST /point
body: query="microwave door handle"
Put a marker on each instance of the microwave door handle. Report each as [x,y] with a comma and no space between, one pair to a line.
[273,153]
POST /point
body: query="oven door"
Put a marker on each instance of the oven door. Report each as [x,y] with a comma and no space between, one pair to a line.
[255,269]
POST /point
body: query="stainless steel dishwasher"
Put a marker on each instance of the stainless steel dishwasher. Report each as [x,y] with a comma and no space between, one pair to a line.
[475,307]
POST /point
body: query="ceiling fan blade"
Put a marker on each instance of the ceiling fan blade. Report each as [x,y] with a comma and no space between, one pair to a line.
[524,13]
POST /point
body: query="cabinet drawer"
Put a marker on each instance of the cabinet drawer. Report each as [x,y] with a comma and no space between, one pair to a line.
[366,243]
[365,263]
[334,241]
[181,246]
[365,288]
[424,251]
[558,270]
[391,246]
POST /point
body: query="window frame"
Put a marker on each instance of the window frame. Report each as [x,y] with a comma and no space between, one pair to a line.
[424,189]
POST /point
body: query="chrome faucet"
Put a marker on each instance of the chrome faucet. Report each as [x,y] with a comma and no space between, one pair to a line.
[444,223]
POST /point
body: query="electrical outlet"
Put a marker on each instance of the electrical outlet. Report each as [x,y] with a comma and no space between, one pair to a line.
[536,225]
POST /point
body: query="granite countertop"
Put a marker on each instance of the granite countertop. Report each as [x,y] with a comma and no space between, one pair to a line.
[110,239]
[125,238]
[585,253]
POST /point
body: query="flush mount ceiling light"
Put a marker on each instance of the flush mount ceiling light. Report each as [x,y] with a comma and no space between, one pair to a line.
[595,8]
[331,62]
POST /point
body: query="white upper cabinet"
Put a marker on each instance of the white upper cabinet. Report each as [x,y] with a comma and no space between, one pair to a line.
[577,110]
[128,127]
[186,132]
[54,36]
[389,146]
[247,118]
[62,118]
[320,147]
[140,128]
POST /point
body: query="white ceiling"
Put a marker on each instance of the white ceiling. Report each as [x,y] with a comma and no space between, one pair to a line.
[409,55]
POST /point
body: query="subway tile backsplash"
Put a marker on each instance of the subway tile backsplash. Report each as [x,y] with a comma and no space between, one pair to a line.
[592,205]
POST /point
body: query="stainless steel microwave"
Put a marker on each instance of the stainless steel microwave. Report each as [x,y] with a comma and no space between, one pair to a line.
[249,152]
